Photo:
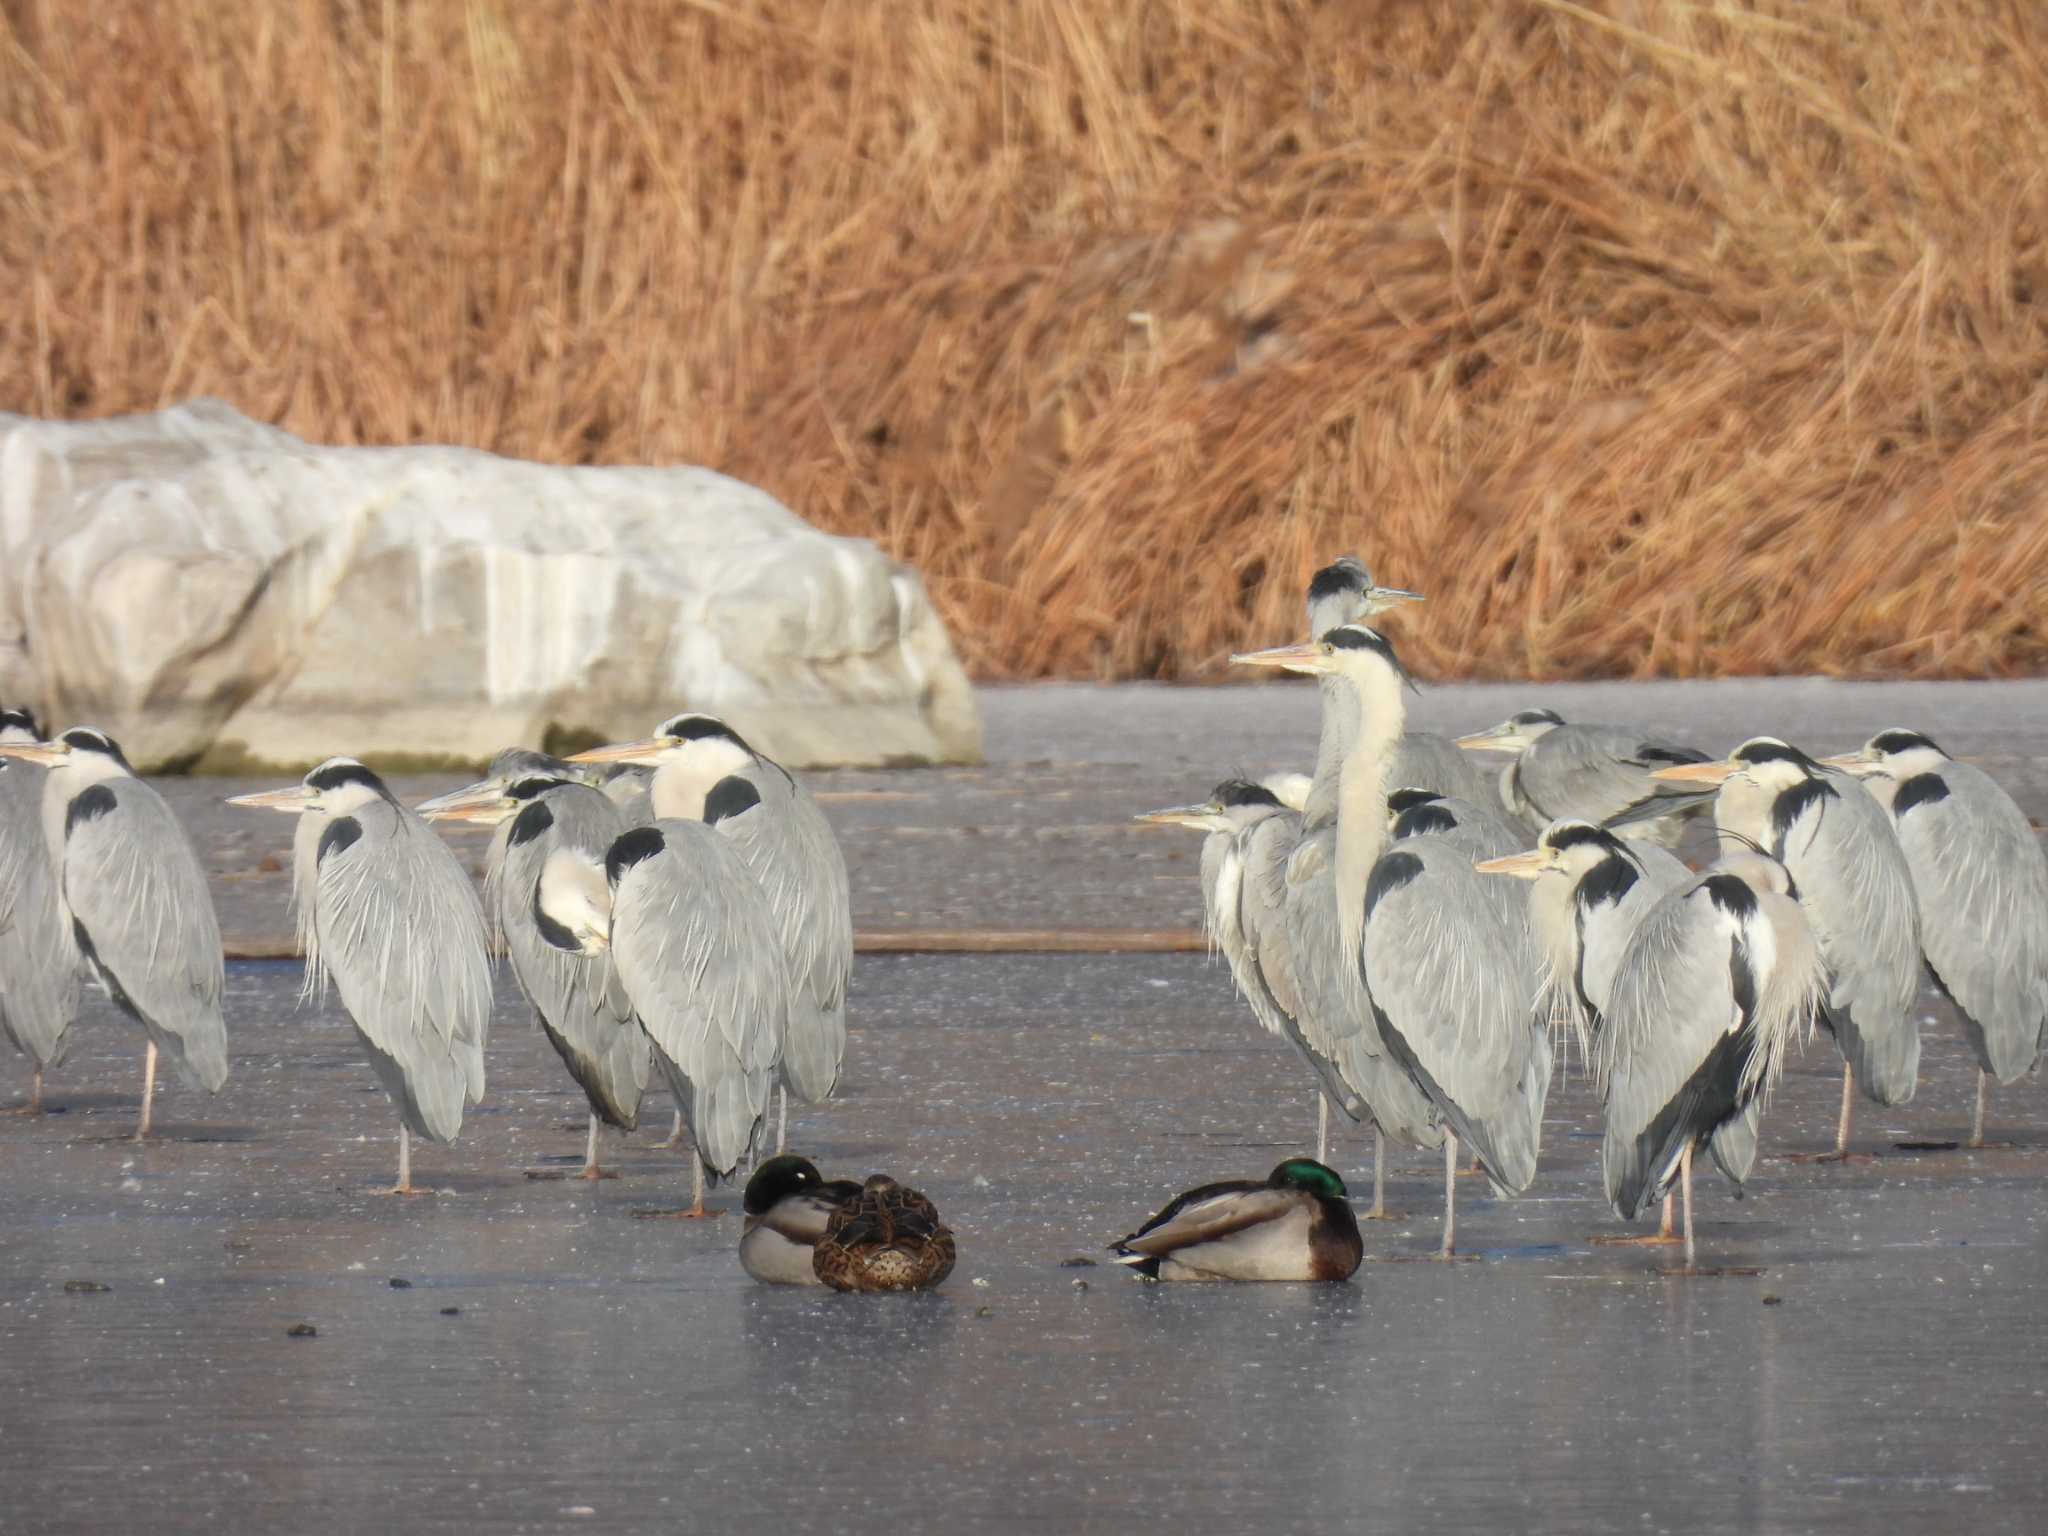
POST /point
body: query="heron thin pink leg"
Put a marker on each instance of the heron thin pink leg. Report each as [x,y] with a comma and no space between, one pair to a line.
[148,1090]
[1450,1193]
[1685,1182]
[1976,1124]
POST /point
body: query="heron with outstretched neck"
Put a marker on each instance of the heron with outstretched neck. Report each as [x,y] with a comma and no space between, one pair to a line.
[1446,1044]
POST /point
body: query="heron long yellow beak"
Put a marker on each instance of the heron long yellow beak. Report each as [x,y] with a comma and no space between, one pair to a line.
[291,801]
[624,752]
[1200,817]
[482,793]
[44,752]
[480,815]
[1853,762]
[1308,656]
[1493,740]
[1698,773]
[1523,866]
[1377,598]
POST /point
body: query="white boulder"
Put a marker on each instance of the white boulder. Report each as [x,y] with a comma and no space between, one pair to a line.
[211,590]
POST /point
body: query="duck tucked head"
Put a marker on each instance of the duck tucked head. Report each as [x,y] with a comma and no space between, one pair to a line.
[779,1178]
[1308,1175]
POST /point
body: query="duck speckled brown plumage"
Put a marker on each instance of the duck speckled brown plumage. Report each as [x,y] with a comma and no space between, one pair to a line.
[886,1238]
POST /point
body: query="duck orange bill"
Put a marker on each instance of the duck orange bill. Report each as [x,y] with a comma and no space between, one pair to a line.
[1697,773]
[1307,656]
[295,799]
[1525,865]
[622,752]
[44,752]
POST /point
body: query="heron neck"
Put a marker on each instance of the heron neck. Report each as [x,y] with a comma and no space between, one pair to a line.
[1362,798]
[1340,725]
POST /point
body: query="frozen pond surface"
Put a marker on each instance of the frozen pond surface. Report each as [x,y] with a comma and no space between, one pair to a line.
[1888,1370]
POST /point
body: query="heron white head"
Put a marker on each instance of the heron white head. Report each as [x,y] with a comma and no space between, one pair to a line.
[1570,848]
[489,802]
[80,750]
[1343,592]
[1518,733]
[18,727]
[1897,753]
[689,753]
[1234,803]
[1349,651]
[335,788]
[1764,761]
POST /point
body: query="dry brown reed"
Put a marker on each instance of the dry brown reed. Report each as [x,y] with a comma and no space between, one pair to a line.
[1646,336]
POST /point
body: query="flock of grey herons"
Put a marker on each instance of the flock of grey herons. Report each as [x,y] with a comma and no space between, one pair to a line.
[681,901]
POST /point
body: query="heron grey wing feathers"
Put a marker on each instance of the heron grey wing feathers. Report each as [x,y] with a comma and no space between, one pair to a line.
[1979,870]
[1606,929]
[581,1003]
[1423,760]
[788,844]
[1601,774]
[1857,891]
[701,956]
[1675,1037]
[1336,1015]
[39,992]
[1449,987]
[1734,1142]
[396,925]
[1673,1003]
[133,885]
[1247,892]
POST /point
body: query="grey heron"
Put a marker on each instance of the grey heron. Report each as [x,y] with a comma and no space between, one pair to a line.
[38,977]
[388,916]
[702,765]
[693,939]
[1294,1225]
[1304,880]
[1716,984]
[1983,886]
[1444,978]
[1289,891]
[1589,892]
[788,1205]
[1596,773]
[133,903]
[581,1004]
[1853,882]
[1228,816]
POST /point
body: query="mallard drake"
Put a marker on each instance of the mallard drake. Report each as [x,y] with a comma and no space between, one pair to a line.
[1297,1225]
[788,1205]
[884,1237]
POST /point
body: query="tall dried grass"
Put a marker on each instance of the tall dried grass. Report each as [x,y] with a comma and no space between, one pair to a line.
[1645,336]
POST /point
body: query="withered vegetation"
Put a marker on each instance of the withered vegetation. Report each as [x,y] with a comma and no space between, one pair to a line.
[1646,337]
